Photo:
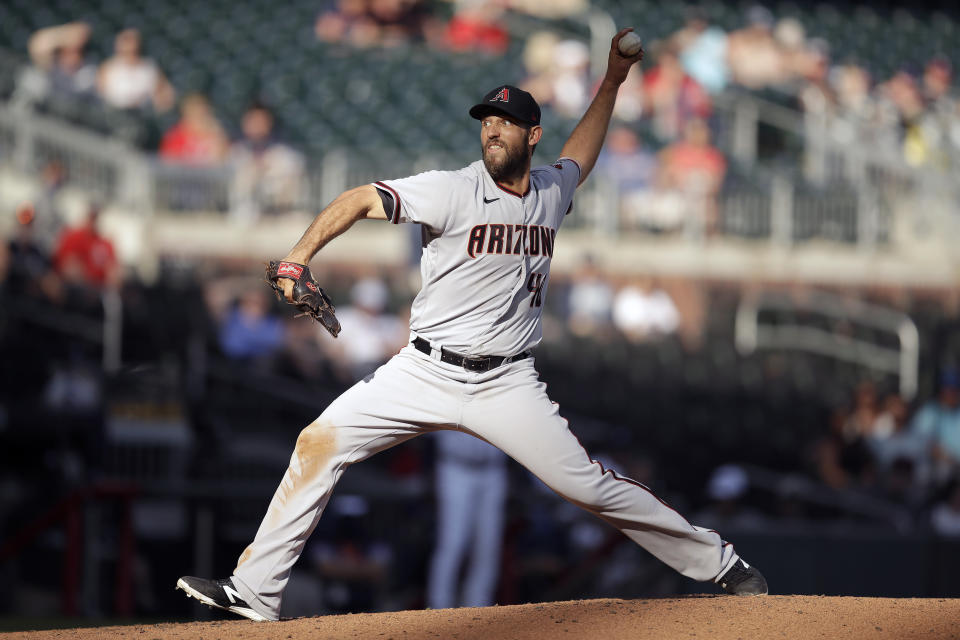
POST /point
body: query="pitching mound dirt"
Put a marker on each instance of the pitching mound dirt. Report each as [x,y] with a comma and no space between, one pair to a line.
[714,617]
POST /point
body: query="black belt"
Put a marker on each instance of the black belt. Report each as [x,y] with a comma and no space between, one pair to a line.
[484,363]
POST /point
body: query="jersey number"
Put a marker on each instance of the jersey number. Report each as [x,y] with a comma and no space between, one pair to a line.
[535,284]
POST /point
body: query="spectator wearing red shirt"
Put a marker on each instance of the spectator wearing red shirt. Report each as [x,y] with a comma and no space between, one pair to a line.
[476,27]
[85,257]
[673,98]
[694,169]
[693,164]
[197,139]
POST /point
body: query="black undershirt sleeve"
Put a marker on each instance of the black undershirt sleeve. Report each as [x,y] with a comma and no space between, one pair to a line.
[388,204]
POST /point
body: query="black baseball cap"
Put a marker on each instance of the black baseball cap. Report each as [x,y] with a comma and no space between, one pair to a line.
[516,103]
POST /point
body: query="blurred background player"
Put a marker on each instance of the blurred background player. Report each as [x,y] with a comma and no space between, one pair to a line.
[471,490]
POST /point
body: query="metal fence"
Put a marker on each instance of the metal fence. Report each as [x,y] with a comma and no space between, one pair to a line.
[794,328]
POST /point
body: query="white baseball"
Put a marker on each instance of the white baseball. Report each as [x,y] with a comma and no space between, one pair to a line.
[630,44]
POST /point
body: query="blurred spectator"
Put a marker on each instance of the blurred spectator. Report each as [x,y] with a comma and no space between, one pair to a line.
[400,21]
[570,79]
[942,106]
[539,61]
[703,53]
[471,485]
[476,26]
[59,67]
[48,218]
[937,89]
[891,441]
[631,169]
[856,110]
[755,58]
[629,106]
[559,73]
[851,85]
[249,332]
[370,336]
[644,311]
[589,301]
[938,423]
[694,169]
[671,97]
[268,175]
[801,57]
[902,108]
[549,10]
[811,64]
[347,22]
[60,52]
[727,488]
[29,269]
[46,43]
[860,421]
[953,130]
[890,419]
[373,23]
[945,517]
[85,257]
[303,357]
[197,139]
[842,457]
[129,81]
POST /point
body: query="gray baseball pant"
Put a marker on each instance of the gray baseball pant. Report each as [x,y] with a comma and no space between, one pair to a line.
[507,406]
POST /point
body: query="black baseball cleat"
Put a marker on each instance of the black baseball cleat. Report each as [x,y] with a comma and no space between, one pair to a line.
[743,580]
[220,594]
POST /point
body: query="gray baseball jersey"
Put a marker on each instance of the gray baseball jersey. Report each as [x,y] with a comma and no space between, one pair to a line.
[486,253]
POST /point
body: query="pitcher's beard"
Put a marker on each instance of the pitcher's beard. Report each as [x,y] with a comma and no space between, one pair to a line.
[513,165]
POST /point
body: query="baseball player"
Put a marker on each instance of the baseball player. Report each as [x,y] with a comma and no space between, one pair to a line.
[488,238]
[471,485]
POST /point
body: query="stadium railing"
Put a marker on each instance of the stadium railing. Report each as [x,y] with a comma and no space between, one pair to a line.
[855,206]
[754,329]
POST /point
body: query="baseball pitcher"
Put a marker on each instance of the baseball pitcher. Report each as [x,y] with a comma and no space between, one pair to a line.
[488,238]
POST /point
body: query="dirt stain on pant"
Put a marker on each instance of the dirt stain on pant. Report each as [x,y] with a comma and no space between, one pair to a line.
[244,556]
[315,447]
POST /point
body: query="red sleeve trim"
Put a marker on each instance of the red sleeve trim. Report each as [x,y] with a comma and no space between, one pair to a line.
[395,218]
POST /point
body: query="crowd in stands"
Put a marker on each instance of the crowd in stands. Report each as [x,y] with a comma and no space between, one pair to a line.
[473,26]
[250,332]
[662,159]
[126,80]
[46,266]
[879,446]
[268,175]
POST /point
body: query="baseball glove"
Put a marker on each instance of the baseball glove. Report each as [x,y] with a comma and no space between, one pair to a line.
[308,297]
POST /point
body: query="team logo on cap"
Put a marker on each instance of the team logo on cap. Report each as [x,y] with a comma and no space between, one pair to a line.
[502,96]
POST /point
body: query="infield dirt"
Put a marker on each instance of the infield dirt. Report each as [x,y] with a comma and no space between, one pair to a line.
[698,617]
